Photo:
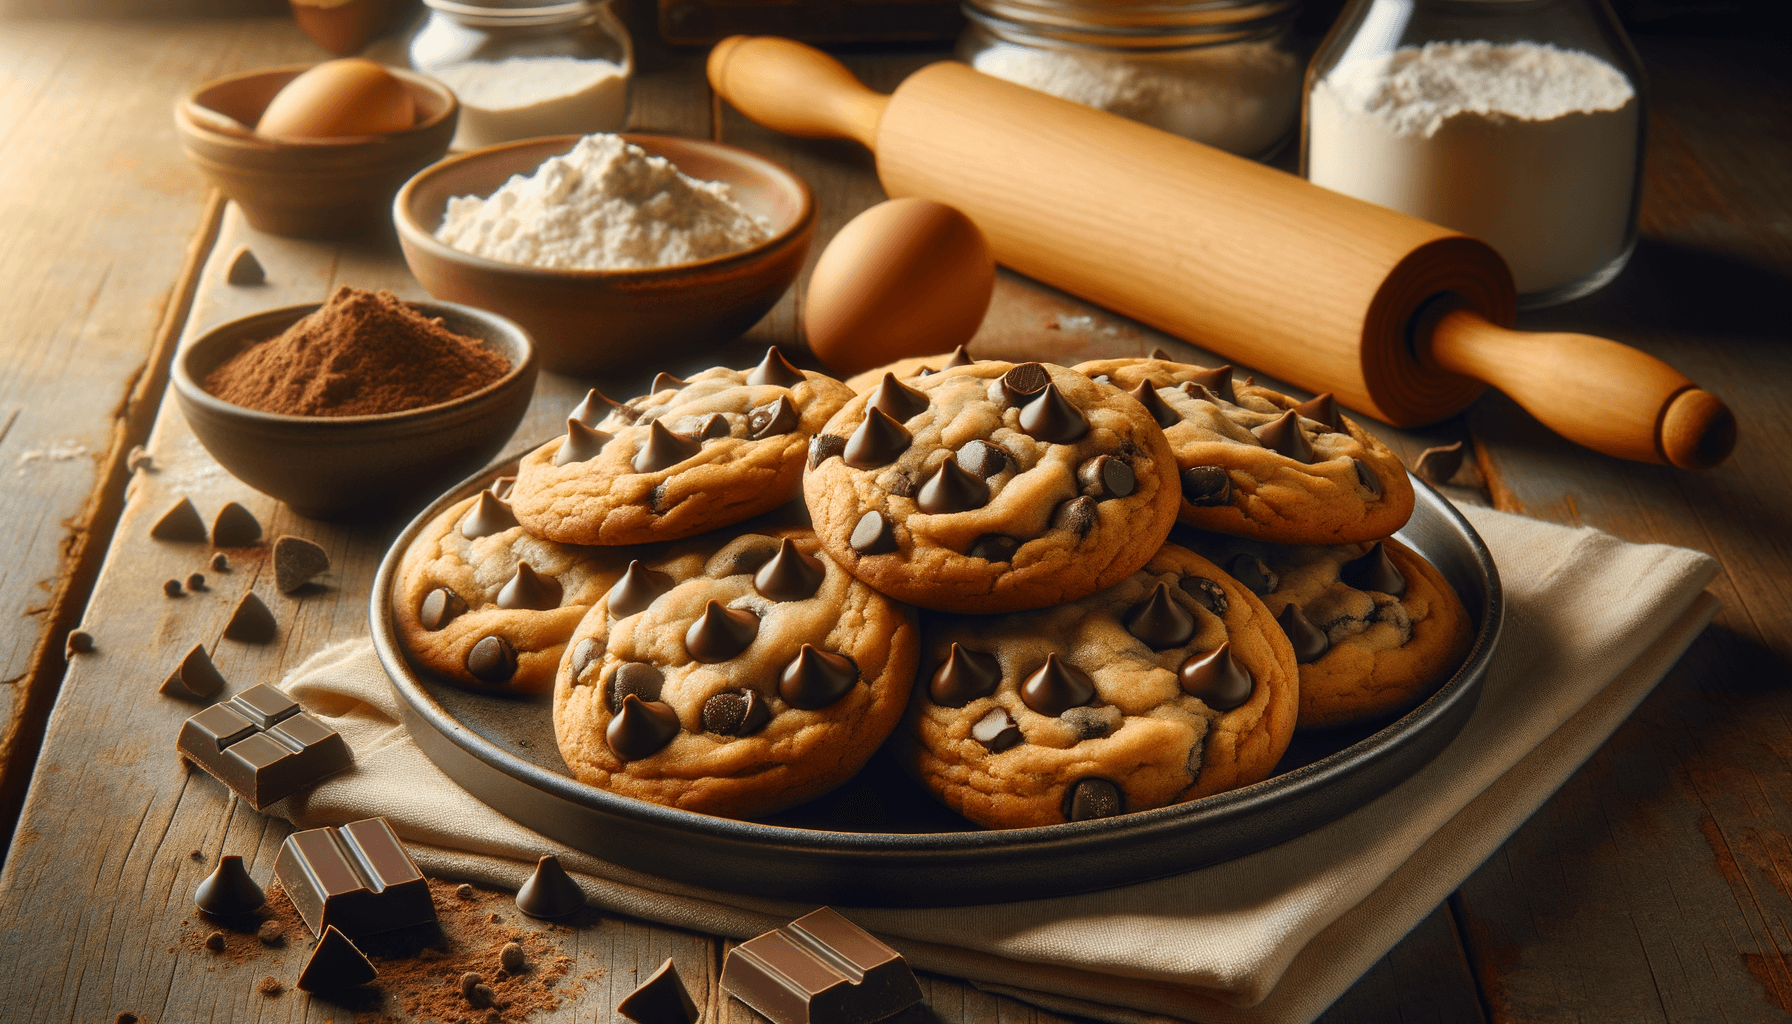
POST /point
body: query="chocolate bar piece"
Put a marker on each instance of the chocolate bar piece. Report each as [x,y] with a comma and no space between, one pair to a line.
[262,744]
[820,969]
[357,878]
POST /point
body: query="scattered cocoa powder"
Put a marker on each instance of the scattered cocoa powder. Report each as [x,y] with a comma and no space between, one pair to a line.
[361,353]
[270,986]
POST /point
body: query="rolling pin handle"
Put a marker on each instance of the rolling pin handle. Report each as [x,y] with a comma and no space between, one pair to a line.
[795,89]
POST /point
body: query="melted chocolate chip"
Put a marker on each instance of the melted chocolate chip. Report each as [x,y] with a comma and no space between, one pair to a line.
[1077,514]
[1022,382]
[815,678]
[492,660]
[874,534]
[1373,571]
[582,444]
[633,677]
[637,589]
[736,713]
[713,426]
[951,489]
[1309,641]
[877,441]
[1218,381]
[1093,798]
[1251,571]
[898,399]
[996,731]
[1216,679]
[641,729]
[775,369]
[489,516]
[771,420]
[440,607]
[720,633]
[1105,477]
[1366,478]
[1159,409]
[530,589]
[1055,687]
[664,449]
[1091,723]
[1051,418]
[1322,409]
[662,381]
[1159,621]
[790,575]
[994,547]
[1439,464]
[1208,593]
[583,655]
[823,447]
[981,459]
[963,677]
[595,406]
[1206,486]
[1284,437]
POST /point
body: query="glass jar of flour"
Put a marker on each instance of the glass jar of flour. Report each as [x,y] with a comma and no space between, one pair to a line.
[1222,72]
[525,68]
[1517,121]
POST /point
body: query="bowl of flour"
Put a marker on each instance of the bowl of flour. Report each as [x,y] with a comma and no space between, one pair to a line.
[613,251]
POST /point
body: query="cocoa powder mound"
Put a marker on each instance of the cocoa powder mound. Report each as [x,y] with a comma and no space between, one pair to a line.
[359,354]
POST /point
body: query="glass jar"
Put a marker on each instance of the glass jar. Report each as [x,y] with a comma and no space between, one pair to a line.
[526,68]
[1517,121]
[1222,72]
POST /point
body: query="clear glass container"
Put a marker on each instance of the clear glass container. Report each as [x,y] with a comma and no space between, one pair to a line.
[1517,121]
[526,68]
[1222,72]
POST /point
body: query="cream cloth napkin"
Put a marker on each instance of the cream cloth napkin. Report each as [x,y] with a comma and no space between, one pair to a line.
[1592,624]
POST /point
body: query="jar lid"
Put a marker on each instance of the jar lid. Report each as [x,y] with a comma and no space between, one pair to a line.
[514,12]
[1133,24]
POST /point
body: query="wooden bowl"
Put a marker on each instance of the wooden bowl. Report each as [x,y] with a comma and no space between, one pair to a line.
[591,321]
[307,188]
[330,467]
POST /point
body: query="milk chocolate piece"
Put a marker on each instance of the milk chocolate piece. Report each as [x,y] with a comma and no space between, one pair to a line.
[530,590]
[789,575]
[550,891]
[251,623]
[1105,477]
[775,369]
[873,534]
[661,999]
[1322,409]
[897,399]
[1218,381]
[820,969]
[815,678]
[993,547]
[664,449]
[720,633]
[79,642]
[1078,514]
[440,607]
[596,405]
[1051,418]
[1093,798]
[180,523]
[736,713]
[228,891]
[195,676]
[1159,409]
[1217,679]
[245,269]
[335,965]
[1024,381]
[713,426]
[1309,641]
[220,562]
[636,678]
[1055,687]
[487,517]
[951,489]
[1439,464]
[1206,486]
[638,588]
[582,443]
[771,420]
[1251,571]
[1159,353]
[996,731]
[492,660]
[959,358]
[235,527]
[1199,392]
[171,588]
[1366,478]
[357,878]
[876,442]
[583,654]
[662,381]
[1159,621]
[963,677]
[262,745]
[1373,571]
[297,561]
[823,447]
[641,729]
[196,581]
[982,459]
[1210,594]
[1284,437]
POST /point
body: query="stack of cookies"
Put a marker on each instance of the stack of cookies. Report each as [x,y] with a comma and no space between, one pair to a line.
[988,549]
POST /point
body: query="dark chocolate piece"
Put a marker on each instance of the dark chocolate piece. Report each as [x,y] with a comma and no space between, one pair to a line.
[1217,679]
[512,958]
[228,891]
[251,623]
[1206,486]
[789,575]
[959,358]
[487,517]
[196,581]
[638,588]
[641,729]
[823,447]
[1254,573]
[1373,571]
[736,713]
[1154,404]
[235,527]
[335,965]
[771,420]
[440,607]
[245,270]
[594,407]
[550,891]
[1210,594]
[775,369]
[1078,514]
[220,562]
[1105,477]
[820,969]
[815,678]
[900,401]
[633,678]
[531,590]
[357,878]
[1092,723]
[1159,621]
[1366,478]
[171,588]
[720,633]
[963,677]
[1024,381]
[492,660]
[1219,381]
[874,534]
[1309,641]
[662,998]
[664,449]
[951,489]
[902,485]
[180,523]
[583,654]
[1199,392]
[79,642]
[1159,353]
[996,731]
[713,426]
[582,443]
[1093,798]
[877,441]
[262,745]
[1439,464]
[664,380]
[982,459]
[1056,687]
[1322,409]
[1051,418]
[195,676]
[1284,437]
[298,561]
[993,547]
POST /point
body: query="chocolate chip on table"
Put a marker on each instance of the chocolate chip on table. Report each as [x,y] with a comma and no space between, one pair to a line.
[549,892]
[1021,383]
[736,713]
[900,401]
[815,678]
[1051,418]
[776,370]
[335,965]
[244,269]
[996,731]
[982,459]
[823,447]
[512,958]
[1078,514]
[440,607]
[196,581]
[1374,571]
[638,588]
[1159,621]
[877,441]
[1309,641]
[1218,381]
[714,426]
[1284,437]
[963,677]
[1056,687]
[720,633]
[180,523]
[636,678]
[171,588]
[1208,593]
[789,575]
[487,517]
[874,534]
[465,891]
[950,489]
[780,417]
[1206,486]
[1217,679]
[1322,409]
[298,561]
[215,942]
[662,381]
[228,891]
[195,676]
[664,449]
[530,590]
[1105,477]
[1366,477]
[1257,577]
[492,660]
[661,999]
[235,527]
[993,547]
[220,562]
[582,443]
[252,622]
[1154,404]
[1093,798]
[1437,465]
[79,642]
[595,406]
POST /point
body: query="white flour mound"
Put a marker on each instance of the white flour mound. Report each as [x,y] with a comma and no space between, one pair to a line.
[607,205]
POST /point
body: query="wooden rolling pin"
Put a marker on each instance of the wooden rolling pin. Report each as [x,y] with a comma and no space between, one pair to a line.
[1398,317]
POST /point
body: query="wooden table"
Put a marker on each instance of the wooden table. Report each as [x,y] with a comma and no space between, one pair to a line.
[1654,886]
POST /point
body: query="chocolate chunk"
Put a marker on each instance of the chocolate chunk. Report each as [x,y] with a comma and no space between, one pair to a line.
[196,581]
[664,449]
[641,729]
[180,523]
[820,969]
[220,562]
[492,660]
[713,426]
[901,485]
[490,516]
[877,441]
[251,623]
[335,965]
[1208,593]
[263,745]
[596,406]
[720,633]
[661,999]
[662,381]
[1024,381]
[897,399]
[996,731]
[1374,571]
[1199,392]
[79,642]
[1159,409]
[195,676]
[1257,577]
[790,575]
[228,891]
[776,370]
[1056,687]
[873,534]
[550,891]
[771,420]
[1159,621]
[963,677]
[638,588]
[959,358]
[736,713]
[470,982]
[1206,486]
[1105,477]
[1366,478]
[633,678]
[298,561]
[1309,641]
[1322,409]
[512,958]
[1078,514]
[440,607]
[235,527]
[1439,464]
[993,547]
[1159,354]
[357,878]
[1051,418]
[582,444]
[1093,798]
[1091,723]
[1219,382]
[1284,437]
[823,447]
[583,654]
[1217,679]
[215,942]
[951,489]
[982,459]
[815,678]
[171,588]
[245,269]
[528,589]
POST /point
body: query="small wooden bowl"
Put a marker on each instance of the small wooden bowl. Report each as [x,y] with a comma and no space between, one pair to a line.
[591,321]
[307,188]
[331,467]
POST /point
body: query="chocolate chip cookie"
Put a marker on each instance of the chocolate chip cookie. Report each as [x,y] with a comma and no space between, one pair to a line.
[908,369]
[1171,685]
[1375,627]
[991,487]
[690,456]
[764,680]
[1257,463]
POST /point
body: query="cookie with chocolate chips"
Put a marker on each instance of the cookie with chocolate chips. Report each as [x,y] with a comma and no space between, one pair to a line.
[690,456]
[910,368]
[1173,684]
[991,487]
[1257,463]
[1374,627]
[763,680]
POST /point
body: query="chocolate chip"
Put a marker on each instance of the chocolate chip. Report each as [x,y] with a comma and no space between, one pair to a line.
[1208,593]
[776,370]
[1159,354]
[815,678]
[664,449]
[271,933]
[530,590]
[1093,798]
[1055,687]
[663,381]
[1257,577]
[1218,381]
[1322,409]
[720,633]
[993,547]
[512,958]
[1309,641]
[196,581]
[440,607]
[959,358]
[1206,486]
[877,441]
[996,731]
[171,588]
[244,269]
[595,406]
[634,678]
[335,965]
[1284,437]
[1091,723]
[1366,478]
[549,891]
[874,534]
[492,660]
[251,623]
[641,729]
[180,523]
[736,713]
[982,459]
[235,527]
[1439,464]
[228,891]
[1159,409]
[489,516]
[713,426]
[749,553]
[220,562]
[1051,418]
[583,654]
[196,676]
[1217,679]
[901,485]
[582,443]
[79,642]
[1078,514]
[1105,477]
[790,575]
[951,489]
[771,420]
[298,561]
[1159,621]
[1199,392]
[1374,571]
[638,588]
[823,447]
[465,891]
[898,399]
[215,942]
[963,677]
[1024,381]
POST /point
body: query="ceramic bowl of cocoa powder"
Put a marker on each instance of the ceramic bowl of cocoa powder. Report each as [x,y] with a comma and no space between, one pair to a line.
[358,407]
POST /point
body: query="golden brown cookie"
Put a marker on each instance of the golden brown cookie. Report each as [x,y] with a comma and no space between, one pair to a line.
[1257,463]
[691,456]
[908,369]
[1173,684]
[1375,627]
[991,487]
[764,680]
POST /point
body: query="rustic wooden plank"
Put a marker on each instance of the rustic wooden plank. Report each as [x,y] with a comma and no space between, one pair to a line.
[1423,980]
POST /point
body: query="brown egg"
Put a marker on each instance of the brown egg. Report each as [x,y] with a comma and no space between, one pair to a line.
[351,96]
[908,277]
